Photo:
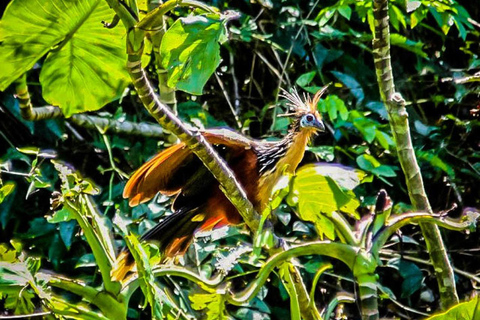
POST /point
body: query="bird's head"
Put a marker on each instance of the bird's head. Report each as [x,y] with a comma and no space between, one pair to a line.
[304,111]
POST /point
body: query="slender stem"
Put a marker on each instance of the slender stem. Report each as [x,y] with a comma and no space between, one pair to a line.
[391,254]
[318,274]
[340,251]
[100,252]
[399,221]
[398,119]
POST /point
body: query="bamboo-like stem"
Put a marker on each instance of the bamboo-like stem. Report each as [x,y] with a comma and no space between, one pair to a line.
[28,112]
[366,279]
[111,307]
[398,119]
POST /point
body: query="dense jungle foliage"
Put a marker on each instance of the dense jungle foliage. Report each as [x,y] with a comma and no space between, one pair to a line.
[62,215]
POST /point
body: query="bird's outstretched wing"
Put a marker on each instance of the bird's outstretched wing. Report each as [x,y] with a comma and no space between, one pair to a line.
[171,169]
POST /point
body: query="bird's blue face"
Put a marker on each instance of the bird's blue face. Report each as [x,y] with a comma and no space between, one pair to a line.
[312,121]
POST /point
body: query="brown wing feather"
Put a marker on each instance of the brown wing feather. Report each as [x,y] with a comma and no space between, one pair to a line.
[155,175]
[171,168]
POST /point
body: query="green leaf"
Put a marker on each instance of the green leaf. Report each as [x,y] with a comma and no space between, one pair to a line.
[213,302]
[410,45]
[465,310]
[7,254]
[6,189]
[444,20]
[86,67]
[334,106]
[346,177]
[324,152]
[345,11]
[411,274]
[60,216]
[431,157]
[314,191]
[351,83]
[67,230]
[384,171]
[367,162]
[306,78]
[190,52]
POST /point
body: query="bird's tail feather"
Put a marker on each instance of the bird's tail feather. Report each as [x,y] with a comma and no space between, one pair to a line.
[173,234]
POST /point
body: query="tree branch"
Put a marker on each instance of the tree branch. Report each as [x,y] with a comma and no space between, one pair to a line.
[398,118]
[28,112]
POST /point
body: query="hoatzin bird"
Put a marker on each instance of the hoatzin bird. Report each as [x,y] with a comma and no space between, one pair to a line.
[199,204]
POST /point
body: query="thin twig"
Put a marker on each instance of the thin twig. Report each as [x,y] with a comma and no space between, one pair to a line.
[225,94]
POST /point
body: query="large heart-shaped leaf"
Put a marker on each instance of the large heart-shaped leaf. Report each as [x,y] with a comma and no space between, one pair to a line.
[191,53]
[323,188]
[85,65]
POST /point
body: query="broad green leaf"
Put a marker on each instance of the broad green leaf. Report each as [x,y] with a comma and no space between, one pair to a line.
[417,16]
[444,20]
[384,170]
[367,162]
[213,302]
[85,65]
[468,310]
[190,52]
[366,126]
[397,17]
[324,188]
[385,140]
[346,177]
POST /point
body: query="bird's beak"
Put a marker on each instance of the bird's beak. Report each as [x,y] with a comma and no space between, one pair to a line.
[318,124]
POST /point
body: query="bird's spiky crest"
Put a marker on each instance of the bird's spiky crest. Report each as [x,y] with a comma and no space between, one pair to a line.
[299,105]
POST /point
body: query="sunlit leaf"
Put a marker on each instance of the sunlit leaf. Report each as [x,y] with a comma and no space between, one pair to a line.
[60,216]
[465,310]
[86,67]
[413,5]
[190,51]
[6,189]
[410,45]
[214,303]
[324,188]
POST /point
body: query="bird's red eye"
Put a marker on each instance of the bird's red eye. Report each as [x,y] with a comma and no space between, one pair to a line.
[309,118]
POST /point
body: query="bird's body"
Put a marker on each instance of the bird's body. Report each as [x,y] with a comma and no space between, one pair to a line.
[200,205]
